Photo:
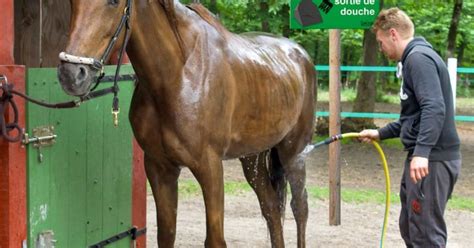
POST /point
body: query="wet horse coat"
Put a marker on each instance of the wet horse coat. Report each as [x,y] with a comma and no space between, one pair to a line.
[203,95]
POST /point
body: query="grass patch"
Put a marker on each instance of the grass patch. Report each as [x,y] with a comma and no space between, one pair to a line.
[388,98]
[347,95]
[464,102]
[392,143]
[353,195]
[461,203]
[317,138]
[189,188]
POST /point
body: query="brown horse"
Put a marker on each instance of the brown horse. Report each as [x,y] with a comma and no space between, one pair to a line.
[204,95]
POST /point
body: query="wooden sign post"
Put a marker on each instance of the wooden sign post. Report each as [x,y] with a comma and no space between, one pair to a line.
[334,15]
[334,126]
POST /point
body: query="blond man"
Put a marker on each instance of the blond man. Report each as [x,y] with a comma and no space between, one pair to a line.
[426,128]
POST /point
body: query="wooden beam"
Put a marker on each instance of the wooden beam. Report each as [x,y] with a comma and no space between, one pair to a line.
[139,192]
[7,34]
[12,155]
[41,31]
[13,172]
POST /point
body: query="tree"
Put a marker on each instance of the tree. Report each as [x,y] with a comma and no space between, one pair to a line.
[453,28]
[366,91]
[264,16]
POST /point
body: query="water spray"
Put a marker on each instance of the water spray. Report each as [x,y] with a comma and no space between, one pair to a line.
[337,137]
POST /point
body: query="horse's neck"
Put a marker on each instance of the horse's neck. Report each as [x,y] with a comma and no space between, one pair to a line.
[155,49]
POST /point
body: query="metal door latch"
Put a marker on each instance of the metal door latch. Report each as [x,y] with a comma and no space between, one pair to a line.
[42,136]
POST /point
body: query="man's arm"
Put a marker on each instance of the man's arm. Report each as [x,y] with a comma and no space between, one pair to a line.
[428,93]
[389,131]
[427,89]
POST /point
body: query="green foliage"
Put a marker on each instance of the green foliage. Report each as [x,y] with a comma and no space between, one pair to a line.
[431,19]
[347,95]
[392,143]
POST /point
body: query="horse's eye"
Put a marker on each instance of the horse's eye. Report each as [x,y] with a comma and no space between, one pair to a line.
[113,2]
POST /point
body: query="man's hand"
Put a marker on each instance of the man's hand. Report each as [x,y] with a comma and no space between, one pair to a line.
[368,135]
[418,168]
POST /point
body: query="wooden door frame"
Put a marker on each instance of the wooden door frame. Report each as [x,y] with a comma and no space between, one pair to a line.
[12,155]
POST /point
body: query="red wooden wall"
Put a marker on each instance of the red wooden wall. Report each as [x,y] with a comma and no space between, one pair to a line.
[12,156]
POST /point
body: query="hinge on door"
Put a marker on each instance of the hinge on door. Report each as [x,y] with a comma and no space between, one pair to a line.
[41,137]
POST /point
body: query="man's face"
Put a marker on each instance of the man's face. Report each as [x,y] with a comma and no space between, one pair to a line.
[386,44]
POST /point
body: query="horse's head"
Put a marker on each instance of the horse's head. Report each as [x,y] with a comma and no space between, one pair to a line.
[96,31]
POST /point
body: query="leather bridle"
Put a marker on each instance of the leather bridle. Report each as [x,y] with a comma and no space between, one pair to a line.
[99,64]
[6,98]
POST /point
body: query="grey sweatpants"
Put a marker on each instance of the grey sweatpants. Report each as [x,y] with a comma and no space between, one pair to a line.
[421,218]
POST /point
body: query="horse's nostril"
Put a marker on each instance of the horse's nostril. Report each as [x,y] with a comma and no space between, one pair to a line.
[81,74]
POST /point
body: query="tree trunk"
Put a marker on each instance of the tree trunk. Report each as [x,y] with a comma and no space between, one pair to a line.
[453,28]
[462,48]
[263,15]
[365,99]
[366,91]
[213,7]
[285,15]
[384,77]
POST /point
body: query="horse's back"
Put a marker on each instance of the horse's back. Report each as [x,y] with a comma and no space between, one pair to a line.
[273,77]
[257,85]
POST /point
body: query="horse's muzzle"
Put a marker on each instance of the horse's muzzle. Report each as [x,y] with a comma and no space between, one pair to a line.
[76,79]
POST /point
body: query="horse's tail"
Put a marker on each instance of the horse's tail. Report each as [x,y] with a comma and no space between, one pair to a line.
[278,180]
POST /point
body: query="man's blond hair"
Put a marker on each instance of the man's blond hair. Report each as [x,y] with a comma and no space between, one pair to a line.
[394,18]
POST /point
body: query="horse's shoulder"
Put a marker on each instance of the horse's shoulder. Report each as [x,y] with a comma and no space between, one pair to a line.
[208,16]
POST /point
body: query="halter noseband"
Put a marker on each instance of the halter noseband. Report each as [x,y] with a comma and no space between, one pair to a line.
[99,64]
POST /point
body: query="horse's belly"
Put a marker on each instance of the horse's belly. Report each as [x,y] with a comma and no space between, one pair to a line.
[255,134]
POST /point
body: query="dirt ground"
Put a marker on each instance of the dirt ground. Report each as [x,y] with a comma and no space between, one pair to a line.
[360,223]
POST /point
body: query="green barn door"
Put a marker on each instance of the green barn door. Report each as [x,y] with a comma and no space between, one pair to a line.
[79,188]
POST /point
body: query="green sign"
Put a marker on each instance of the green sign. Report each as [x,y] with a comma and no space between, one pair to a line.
[337,14]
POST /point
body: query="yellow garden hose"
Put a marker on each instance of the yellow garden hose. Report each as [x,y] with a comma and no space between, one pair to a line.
[385,168]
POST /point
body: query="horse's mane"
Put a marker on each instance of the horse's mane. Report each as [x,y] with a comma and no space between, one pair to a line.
[209,17]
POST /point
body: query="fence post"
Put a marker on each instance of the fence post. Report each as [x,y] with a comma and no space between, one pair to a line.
[452,69]
[334,126]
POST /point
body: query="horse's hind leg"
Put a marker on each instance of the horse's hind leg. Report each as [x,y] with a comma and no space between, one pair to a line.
[256,173]
[163,178]
[295,172]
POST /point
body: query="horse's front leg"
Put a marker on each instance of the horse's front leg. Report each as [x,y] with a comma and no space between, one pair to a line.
[209,173]
[163,178]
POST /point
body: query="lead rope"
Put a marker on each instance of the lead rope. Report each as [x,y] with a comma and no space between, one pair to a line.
[7,100]
[115,102]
